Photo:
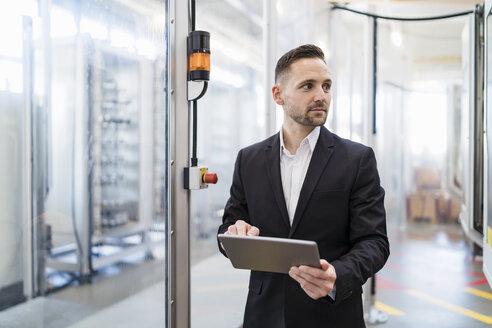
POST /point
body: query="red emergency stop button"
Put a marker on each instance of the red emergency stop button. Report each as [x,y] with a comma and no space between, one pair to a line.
[210,178]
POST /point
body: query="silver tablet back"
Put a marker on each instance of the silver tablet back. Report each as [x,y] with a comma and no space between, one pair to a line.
[268,253]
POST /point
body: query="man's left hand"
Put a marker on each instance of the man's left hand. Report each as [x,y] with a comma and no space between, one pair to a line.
[315,282]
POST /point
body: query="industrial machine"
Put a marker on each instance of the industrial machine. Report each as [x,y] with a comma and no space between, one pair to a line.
[101,205]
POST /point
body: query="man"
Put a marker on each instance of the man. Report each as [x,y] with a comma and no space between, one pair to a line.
[307,183]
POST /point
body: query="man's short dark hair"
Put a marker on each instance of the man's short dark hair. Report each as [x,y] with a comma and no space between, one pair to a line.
[304,51]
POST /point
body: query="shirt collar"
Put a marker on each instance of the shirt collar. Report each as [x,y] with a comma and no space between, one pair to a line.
[312,138]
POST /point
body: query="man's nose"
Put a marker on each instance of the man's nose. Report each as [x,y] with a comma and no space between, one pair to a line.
[320,94]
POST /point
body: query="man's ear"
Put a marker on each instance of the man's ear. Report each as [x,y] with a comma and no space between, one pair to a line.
[276,95]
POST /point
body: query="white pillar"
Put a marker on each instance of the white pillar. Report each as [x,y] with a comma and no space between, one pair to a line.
[270,60]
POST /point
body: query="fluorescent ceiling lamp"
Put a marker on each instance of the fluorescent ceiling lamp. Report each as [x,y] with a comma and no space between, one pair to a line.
[62,23]
[95,29]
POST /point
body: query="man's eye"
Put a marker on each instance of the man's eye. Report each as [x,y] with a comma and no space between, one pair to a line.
[326,87]
[307,86]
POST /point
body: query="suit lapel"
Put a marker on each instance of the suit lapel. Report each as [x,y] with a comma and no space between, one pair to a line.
[321,155]
[272,162]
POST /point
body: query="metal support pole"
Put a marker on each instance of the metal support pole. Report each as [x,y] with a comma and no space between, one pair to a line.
[371,314]
[374,73]
[269,59]
[179,252]
[27,214]
[478,45]
[370,80]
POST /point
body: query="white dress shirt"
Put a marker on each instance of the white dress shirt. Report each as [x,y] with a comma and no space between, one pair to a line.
[293,168]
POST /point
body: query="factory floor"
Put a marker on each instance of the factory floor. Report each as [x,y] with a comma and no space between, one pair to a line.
[430,280]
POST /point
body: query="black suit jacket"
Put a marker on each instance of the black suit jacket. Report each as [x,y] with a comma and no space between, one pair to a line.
[340,207]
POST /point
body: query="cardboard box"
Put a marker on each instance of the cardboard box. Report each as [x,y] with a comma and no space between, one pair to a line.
[433,205]
[421,206]
[427,178]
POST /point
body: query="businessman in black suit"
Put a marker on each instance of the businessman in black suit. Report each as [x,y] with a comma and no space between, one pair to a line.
[307,183]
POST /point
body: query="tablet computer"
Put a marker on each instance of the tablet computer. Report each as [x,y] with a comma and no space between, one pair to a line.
[269,253]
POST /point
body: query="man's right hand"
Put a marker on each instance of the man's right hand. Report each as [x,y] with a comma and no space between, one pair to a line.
[241,228]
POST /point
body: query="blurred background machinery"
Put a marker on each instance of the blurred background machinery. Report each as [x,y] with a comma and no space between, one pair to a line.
[100,207]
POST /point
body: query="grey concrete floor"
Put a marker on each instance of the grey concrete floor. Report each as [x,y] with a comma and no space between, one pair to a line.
[432,280]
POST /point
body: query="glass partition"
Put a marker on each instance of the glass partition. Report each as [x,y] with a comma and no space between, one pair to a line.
[350,75]
[417,79]
[84,144]
[13,156]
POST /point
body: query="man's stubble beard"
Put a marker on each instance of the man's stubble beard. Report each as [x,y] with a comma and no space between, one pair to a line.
[304,119]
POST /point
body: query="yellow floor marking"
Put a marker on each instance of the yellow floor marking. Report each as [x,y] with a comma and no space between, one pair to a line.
[387,309]
[220,288]
[480,293]
[459,309]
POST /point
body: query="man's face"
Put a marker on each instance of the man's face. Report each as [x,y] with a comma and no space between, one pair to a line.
[305,92]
